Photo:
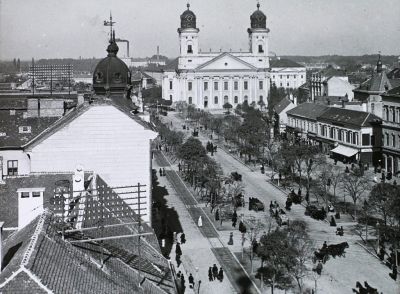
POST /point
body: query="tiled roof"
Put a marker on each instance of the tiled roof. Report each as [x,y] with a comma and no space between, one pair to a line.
[138,75]
[284,63]
[395,92]
[9,195]
[347,117]
[327,100]
[308,110]
[332,72]
[285,102]
[173,65]
[379,83]
[13,103]
[394,73]
[9,124]
[64,267]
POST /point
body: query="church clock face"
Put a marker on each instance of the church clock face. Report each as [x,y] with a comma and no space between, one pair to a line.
[189,17]
[260,18]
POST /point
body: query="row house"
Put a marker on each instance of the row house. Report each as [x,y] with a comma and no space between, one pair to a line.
[348,135]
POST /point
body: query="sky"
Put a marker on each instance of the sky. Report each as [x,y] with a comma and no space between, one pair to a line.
[74,28]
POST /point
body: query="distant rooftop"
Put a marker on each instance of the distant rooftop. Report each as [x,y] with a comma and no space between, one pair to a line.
[348,118]
[308,110]
[284,63]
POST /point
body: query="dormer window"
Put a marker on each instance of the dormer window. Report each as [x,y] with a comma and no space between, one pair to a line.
[25,130]
[99,77]
[117,77]
[189,49]
[260,49]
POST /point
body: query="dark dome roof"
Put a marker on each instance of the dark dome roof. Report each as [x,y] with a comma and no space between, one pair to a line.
[188,19]
[111,74]
[258,19]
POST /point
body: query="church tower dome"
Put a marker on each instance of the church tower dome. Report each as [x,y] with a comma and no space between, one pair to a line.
[258,20]
[111,75]
[188,19]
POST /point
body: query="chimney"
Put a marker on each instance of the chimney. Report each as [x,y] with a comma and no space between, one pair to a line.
[1,245]
[78,184]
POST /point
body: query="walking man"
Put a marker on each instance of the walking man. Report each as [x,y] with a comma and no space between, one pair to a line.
[220,274]
[215,271]
[234,219]
[191,281]
[210,274]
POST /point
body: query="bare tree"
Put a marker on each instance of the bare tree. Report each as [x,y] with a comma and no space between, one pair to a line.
[355,184]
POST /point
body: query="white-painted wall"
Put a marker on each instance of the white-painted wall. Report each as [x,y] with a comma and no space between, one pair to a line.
[23,161]
[103,140]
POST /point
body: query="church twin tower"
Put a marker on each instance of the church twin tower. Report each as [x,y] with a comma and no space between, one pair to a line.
[211,79]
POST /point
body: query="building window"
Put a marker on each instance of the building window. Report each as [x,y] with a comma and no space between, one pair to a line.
[372,108]
[12,167]
[287,84]
[236,85]
[246,85]
[339,135]
[393,115]
[366,140]
[260,49]
[216,100]
[226,99]
[24,194]
[170,85]
[190,100]
[281,84]
[215,85]
[205,86]
[35,194]
[245,98]
[386,113]
[301,76]
[170,97]
[225,86]
[236,99]
[393,140]
[287,76]
[189,49]
[261,98]
[260,85]
[280,76]
[189,86]
[332,130]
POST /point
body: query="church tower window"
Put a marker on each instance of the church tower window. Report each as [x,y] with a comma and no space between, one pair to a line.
[189,49]
[260,49]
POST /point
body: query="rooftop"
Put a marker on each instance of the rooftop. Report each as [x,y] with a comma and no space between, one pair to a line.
[327,100]
[12,137]
[308,110]
[348,118]
[285,102]
[284,63]
[173,65]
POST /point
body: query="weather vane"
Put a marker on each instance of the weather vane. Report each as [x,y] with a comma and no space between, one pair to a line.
[110,24]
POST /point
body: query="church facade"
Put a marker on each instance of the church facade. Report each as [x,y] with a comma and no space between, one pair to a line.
[208,80]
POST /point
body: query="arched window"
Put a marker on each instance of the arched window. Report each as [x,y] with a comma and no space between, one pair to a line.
[189,49]
[260,48]
[261,98]
[205,101]
[216,100]
[246,98]
[190,100]
[226,99]
[170,97]
[236,99]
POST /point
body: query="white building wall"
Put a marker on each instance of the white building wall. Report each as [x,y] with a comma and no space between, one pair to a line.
[23,161]
[339,86]
[103,140]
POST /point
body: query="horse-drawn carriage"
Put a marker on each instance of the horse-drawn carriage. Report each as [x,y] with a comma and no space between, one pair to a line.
[315,212]
[256,204]
[333,250]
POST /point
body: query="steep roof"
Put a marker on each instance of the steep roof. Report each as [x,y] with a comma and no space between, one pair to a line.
[173,65]
[308,110]
[61,266]
[284,63]
[394,73]
[122,104]
[395,92]
[378,83]
[348,118]
[285,102]
[328,100]
[10,123]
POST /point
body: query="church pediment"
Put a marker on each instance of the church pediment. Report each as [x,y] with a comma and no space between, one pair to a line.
[225,61]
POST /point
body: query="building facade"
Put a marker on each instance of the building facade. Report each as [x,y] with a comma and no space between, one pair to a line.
[287,74]
[208,80]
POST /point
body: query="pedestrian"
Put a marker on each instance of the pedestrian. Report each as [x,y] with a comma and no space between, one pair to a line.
[179,166]
[178,260]
[220,274]
[183,283]
[210,274]
[234,218]
[217,214]
[230,242]
[179,274]
[200,222]
[160,172]
[183,238]
[191,281]
[215,271]
[163,171]
[178,250]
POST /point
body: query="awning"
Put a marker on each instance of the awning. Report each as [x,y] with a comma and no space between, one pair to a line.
[344,150]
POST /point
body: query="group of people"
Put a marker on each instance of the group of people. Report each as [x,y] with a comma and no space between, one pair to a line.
[181,279]
[178,250]
[214,274]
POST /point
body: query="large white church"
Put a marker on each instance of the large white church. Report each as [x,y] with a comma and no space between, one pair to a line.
[210,79]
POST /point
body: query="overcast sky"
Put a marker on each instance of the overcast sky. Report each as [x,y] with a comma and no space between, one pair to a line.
[73,28]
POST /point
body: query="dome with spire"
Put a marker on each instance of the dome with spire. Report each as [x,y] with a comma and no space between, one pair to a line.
[258,19]
[188,19]
[111,74]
